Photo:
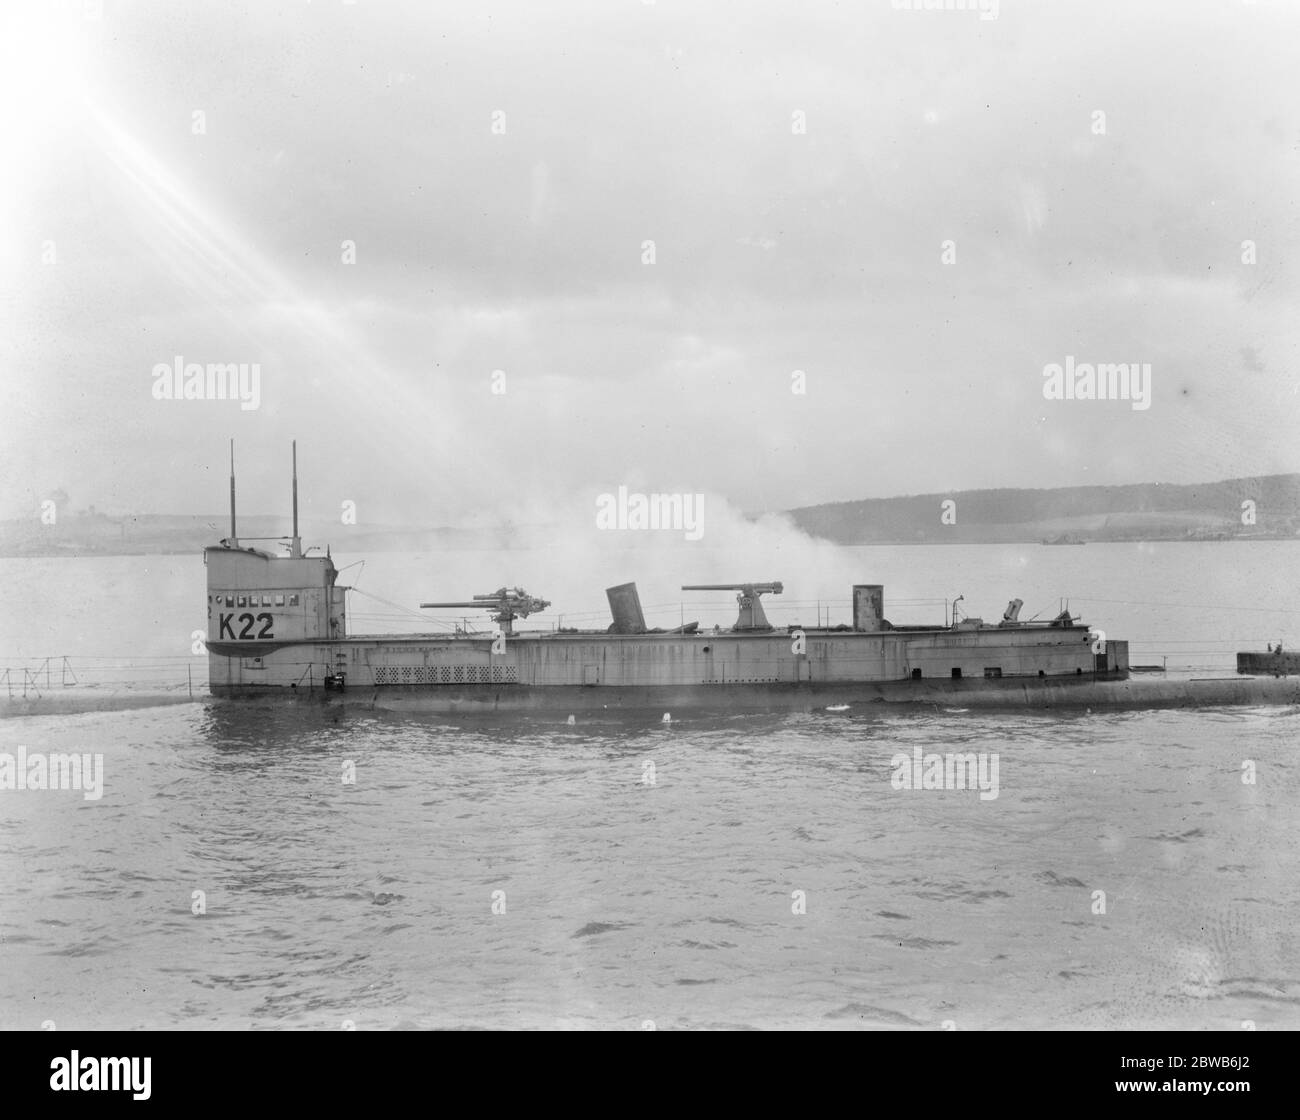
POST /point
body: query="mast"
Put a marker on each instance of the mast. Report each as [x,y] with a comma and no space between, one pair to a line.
[295,548]
[234,539]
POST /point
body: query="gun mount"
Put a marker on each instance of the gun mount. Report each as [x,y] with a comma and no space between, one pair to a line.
[509,603]
[751,610]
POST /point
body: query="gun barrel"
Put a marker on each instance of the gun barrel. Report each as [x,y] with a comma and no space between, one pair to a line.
[774,587]
[439,606]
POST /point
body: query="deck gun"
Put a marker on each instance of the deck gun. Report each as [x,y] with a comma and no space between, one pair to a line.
[751,610]
[509,603]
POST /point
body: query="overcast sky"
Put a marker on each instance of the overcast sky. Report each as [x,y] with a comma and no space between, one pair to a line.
[180,179]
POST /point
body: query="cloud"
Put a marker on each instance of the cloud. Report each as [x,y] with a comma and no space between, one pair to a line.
[522,250]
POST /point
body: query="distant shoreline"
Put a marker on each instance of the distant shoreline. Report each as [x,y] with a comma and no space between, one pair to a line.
[1240,509]
[350,548]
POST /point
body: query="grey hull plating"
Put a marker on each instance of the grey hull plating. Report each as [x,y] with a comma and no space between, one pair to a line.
[1133,693]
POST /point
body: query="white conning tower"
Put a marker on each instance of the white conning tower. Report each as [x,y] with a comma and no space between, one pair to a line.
[258,602]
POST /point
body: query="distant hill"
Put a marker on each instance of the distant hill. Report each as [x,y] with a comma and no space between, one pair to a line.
[1069,515]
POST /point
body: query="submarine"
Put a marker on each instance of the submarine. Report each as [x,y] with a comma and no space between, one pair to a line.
[277,625]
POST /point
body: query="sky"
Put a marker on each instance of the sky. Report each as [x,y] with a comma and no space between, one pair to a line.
[486,260]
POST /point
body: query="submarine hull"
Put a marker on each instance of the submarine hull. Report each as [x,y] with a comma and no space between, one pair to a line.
[278,626]
[1132,694]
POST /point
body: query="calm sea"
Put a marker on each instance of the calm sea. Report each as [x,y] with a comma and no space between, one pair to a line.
[750,871]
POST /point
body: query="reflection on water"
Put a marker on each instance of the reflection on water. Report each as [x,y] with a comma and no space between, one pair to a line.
[740,870]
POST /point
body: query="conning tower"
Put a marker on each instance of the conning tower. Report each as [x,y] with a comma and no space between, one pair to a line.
[259,602]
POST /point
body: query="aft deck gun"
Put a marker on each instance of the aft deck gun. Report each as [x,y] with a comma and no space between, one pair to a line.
[751,610]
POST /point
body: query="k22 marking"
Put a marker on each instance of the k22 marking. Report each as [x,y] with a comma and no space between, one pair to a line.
[228,621]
